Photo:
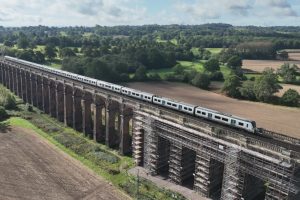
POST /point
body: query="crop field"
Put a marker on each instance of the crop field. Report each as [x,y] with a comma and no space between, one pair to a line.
[275,118]
[257,66]
[285,87]
[33,168]
[294,56]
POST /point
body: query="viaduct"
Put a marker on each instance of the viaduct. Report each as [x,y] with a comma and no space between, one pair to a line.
[216,161]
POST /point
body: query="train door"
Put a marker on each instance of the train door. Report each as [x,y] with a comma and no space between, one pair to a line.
[232,122]
[179,107]
[209,115]
[163,102]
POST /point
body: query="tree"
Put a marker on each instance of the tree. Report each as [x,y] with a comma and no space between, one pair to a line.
[266,85]
[66,52]
[235,62]
[231,86]
[8,43]
[141,74]
[27,54]
[288,72]
[3,114]
[247,91]
[23,42]
[96,68]
[50,52]
[217,76]
[212,65]
[178,69]
[290,98]
[39,57]
[201,80]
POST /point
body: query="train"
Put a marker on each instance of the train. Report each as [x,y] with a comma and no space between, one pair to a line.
[196,111]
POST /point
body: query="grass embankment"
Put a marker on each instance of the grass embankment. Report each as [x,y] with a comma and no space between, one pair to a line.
[102,160]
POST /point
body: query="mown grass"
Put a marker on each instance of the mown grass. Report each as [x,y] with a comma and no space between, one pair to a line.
[188,65]
[197,65]
[173,41]
[40,48]
[225,70]
[102,160]
[214,50]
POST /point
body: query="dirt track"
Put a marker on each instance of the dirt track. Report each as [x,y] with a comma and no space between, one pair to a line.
[32,168]
[276,118]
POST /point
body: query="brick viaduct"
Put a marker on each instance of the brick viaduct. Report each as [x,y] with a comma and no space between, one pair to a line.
[214,160]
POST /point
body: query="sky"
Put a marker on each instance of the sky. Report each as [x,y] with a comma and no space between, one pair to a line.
[139,12]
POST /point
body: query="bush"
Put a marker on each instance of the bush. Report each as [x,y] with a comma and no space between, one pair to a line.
[3,113]
[7,100]
[231,85]
[174,77]
[154,77]
[99,155]
[290,98]
[247,90]
[201,81]
[29,108]
[212,65]
[217,76]
[266,85]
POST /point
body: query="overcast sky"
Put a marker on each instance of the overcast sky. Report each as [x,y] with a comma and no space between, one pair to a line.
[138,12]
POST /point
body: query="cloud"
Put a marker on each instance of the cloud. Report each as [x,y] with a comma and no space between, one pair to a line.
[215,9]
[74,12]
[89,7]
[277,8]
[136,12]
[240,9]
[278,3]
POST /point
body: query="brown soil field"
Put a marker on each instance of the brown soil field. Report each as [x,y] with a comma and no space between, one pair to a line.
[285,87]
[216,86]
[257,66]
[280,119]
[294,56]
[32,169]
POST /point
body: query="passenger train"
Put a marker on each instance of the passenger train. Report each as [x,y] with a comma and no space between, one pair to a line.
[197,111]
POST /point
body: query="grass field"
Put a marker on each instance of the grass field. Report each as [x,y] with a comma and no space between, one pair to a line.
[214,50]
[173,41]
[188,65]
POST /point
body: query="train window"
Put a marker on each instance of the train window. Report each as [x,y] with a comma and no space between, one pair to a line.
[241,124]
[217,117]
[203,113]
[169,103]
[225,119]
[198,111]
[174,105]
